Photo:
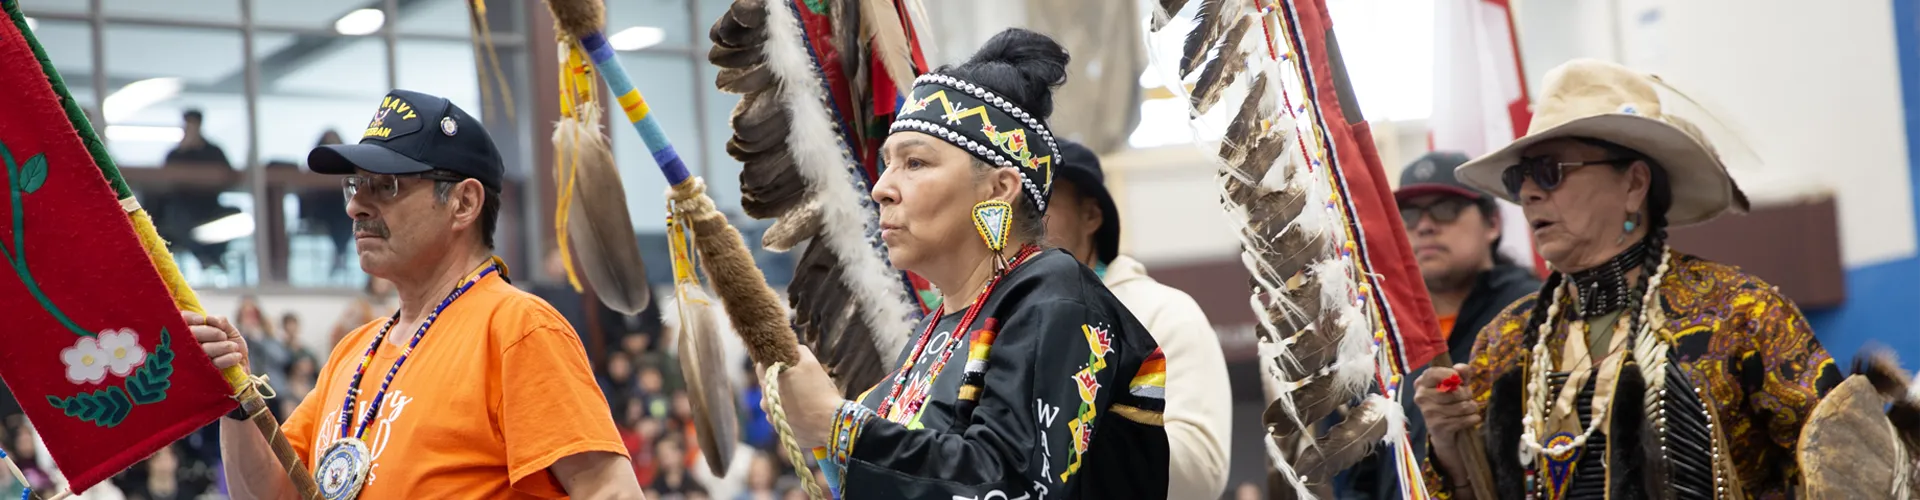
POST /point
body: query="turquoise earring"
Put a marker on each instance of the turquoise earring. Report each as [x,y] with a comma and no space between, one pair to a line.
[1626,228]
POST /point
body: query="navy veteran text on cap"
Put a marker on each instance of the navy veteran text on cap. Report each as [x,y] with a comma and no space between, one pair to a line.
[412,133]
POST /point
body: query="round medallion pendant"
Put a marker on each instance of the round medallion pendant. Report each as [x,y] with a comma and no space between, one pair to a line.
[343,469]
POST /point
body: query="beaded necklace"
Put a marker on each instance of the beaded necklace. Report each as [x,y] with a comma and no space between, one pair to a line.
[353,388]
[923,388]
[1561,448]
[343,468]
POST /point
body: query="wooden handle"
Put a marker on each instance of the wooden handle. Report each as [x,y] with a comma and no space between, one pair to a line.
[256,408]
[1472,450]
[1473,455]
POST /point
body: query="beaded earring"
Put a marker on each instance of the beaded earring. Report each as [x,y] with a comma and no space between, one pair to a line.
[993,219]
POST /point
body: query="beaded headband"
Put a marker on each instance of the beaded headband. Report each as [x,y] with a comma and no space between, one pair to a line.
[987,126]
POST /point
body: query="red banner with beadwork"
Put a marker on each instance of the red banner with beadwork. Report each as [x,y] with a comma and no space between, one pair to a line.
[93,347]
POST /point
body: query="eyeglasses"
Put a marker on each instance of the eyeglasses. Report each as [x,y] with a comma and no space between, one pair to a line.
[1443,211]
[1546,172]
[384,186]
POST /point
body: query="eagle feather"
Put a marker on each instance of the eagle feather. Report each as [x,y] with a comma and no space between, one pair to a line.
[801,168]
[1317,313]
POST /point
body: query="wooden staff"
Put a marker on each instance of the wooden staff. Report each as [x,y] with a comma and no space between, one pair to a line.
[1472,450]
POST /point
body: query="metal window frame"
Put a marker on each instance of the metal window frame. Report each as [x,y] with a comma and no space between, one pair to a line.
[99,21]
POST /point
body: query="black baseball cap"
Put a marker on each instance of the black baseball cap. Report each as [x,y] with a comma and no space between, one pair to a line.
[1432,173]
[1081,167]
[412,133]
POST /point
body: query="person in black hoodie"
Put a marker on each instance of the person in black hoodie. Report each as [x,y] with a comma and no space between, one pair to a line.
[1455,232]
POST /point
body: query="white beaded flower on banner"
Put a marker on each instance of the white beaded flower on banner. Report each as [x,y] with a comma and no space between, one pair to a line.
[90,358]
[123,351]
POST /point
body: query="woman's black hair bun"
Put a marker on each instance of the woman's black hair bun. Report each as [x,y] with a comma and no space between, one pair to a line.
[1020,65]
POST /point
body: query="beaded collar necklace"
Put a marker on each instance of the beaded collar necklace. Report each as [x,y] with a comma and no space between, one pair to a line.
[1604,289]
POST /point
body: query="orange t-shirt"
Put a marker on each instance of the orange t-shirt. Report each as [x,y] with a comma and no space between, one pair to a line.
[1446,326]
[498,390]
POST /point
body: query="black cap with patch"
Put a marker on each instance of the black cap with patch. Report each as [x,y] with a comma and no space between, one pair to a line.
[412,133]
[1433,174]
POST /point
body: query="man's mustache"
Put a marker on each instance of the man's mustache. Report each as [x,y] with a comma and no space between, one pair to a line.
[373,227]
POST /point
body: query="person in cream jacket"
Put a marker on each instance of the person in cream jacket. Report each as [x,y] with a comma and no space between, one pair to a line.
[1082,219]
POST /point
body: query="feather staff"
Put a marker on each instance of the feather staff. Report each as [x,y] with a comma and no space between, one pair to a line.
[849,302]
[756,315]
[1341,310]
[751,305]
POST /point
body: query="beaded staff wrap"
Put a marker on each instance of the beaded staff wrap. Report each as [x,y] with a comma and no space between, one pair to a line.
[984,124]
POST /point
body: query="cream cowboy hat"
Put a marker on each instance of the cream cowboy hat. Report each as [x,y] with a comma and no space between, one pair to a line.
[1606,101]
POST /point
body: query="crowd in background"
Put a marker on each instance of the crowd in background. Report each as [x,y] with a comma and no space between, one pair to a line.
[637,371]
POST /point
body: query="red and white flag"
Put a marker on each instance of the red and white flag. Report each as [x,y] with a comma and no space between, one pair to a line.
[1480,96]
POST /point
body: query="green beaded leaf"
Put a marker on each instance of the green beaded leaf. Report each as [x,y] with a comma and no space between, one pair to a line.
[149,384]
[106,407]
[33,174]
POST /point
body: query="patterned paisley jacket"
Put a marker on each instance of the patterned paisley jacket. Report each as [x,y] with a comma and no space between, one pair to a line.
[1734,337]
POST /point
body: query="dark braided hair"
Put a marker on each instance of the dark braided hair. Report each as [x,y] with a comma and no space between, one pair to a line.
[1541,302]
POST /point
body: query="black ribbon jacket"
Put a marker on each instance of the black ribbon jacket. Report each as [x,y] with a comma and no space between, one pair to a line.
[1066,404]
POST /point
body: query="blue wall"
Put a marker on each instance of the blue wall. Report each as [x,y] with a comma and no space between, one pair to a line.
[1883,300]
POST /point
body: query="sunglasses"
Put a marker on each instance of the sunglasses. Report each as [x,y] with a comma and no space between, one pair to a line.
[1546,172]
[1443,211]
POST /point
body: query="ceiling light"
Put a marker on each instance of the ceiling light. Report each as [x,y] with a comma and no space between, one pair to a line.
[360,22]
[129,100]
[224,229]
[142,133]
[637,37]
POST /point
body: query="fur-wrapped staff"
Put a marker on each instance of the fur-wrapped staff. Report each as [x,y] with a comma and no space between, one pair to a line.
[1863,440]
[751,305]
[131,383]
[1342,310]
[819,81]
